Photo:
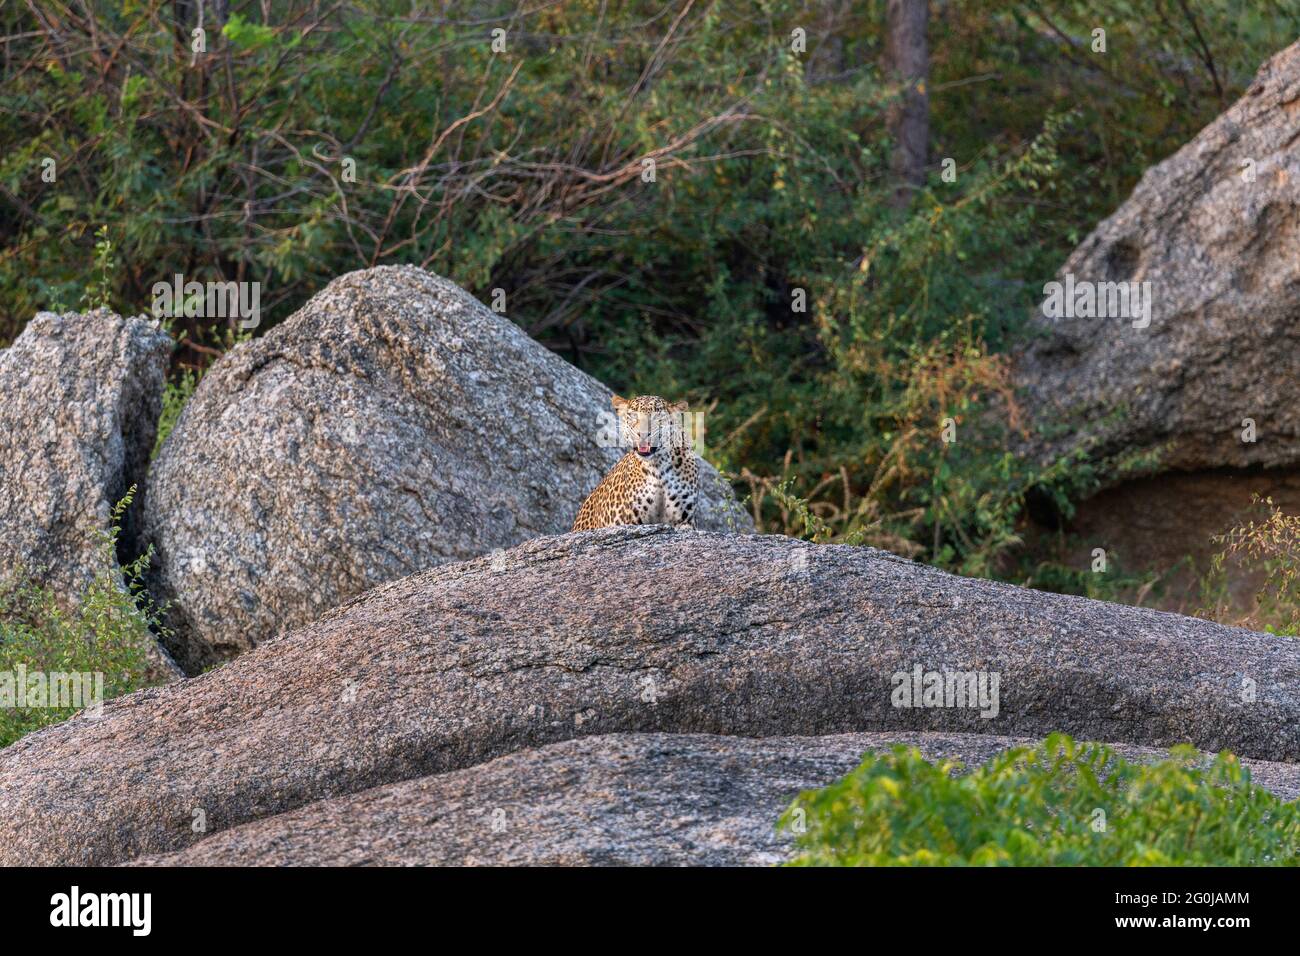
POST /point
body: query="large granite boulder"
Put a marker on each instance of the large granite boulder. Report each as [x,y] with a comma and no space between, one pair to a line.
[81,399]
[609,800]
[392,424]
[622,630]
[1212,237]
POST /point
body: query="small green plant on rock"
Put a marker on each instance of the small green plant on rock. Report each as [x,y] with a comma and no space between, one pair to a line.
[99,294]
[176,394]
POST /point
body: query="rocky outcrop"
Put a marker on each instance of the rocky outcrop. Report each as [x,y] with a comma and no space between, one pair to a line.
[82,395]
[621,630]
[392,424]
[609,800]
[1212,236]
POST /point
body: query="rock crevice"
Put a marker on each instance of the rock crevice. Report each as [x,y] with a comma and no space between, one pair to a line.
[82,396]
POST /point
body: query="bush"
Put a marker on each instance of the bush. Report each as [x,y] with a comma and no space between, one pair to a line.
[107,633]
[1058,804]
[1268,545]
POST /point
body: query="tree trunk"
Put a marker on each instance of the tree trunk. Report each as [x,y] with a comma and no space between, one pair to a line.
[907,60]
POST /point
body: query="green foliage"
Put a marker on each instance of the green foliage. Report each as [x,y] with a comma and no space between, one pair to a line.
[1168,70]
[176,394]
[243,33]
[1115,583]
[1057,804]
[523,171]
[854,397]
[106,633]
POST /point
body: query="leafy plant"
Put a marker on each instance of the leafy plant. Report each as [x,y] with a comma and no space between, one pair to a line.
[244,33]
[106,633]
[1058,804]
[99,294]
[1268,545]
[176,394]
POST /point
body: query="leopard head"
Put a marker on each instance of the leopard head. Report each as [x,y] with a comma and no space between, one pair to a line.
[648,423]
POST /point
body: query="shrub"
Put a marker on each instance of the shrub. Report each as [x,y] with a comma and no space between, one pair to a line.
[1058,804]
[106,633]
[1268,544]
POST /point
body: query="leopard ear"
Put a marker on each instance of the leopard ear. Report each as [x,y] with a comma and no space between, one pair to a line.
[618,403]
[680,407]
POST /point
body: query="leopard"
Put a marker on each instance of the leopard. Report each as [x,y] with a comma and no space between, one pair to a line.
[657,480]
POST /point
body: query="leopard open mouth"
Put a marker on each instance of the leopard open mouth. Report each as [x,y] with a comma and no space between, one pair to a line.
[645,449]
